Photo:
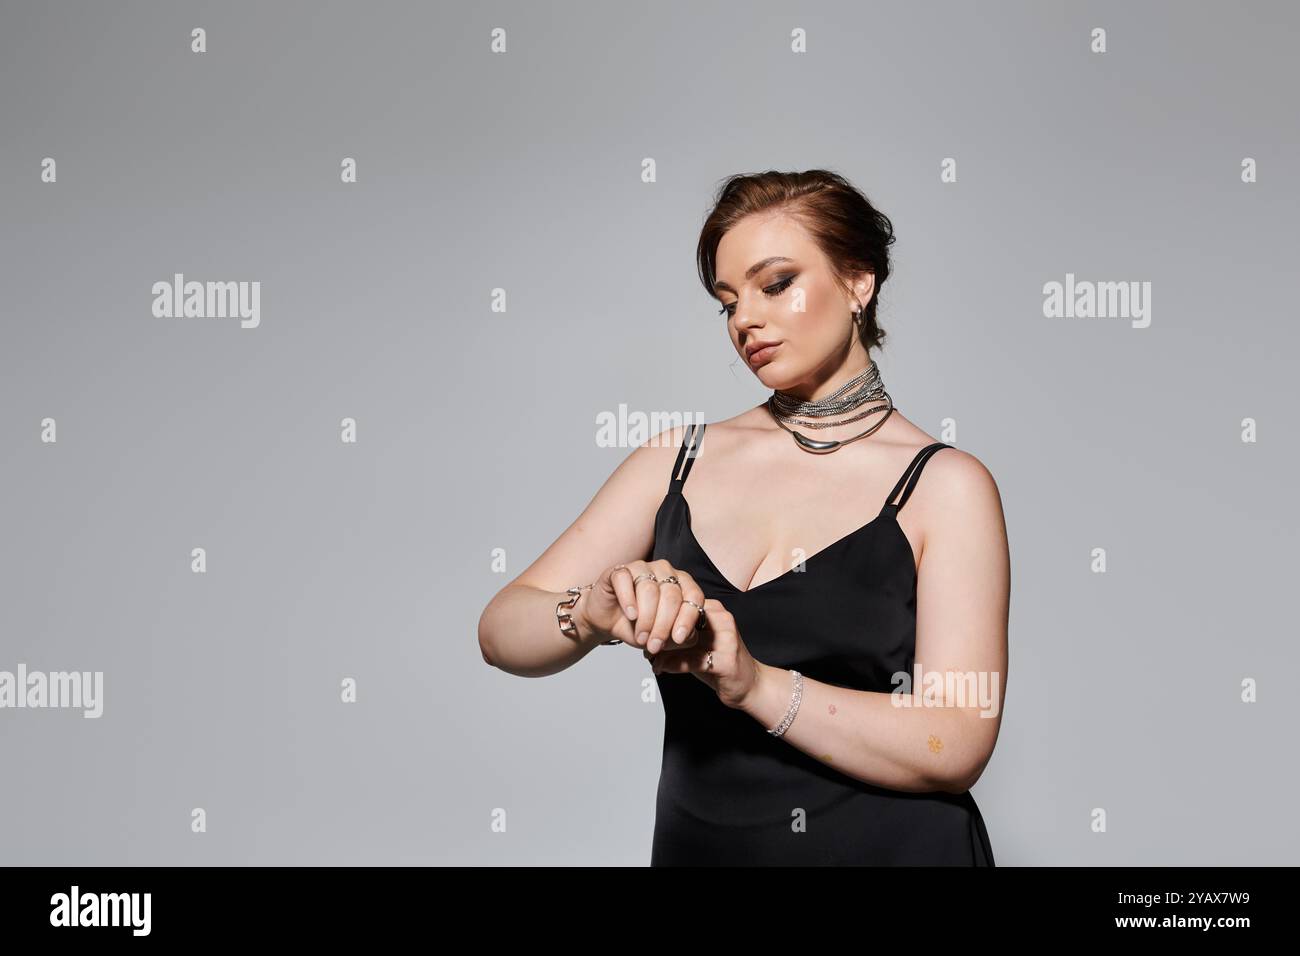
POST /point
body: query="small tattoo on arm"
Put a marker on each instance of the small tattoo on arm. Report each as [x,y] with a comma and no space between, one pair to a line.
[826,757]
[935,744]
[831,708]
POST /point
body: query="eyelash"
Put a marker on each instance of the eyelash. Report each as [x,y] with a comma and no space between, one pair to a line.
[779,287]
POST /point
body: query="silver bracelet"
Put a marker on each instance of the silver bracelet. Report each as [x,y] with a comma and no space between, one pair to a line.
[565,618]
[795,697]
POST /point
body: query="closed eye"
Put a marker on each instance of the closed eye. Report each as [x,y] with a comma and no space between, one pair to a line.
[771,291]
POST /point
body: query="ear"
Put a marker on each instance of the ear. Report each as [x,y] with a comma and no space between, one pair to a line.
[864,286]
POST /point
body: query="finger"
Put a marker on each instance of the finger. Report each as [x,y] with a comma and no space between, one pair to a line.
[700,641]
[683,622]
[692,643]
[668,609]
[692,640]
[718,619]
[680,618]
[697,623]
[621,579]
[647,599]
[670,648]
[675,660]
[662,663]
[690,619]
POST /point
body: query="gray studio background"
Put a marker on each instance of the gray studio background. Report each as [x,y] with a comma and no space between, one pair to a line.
[476,429]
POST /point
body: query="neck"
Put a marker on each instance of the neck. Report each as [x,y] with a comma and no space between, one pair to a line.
[825,382]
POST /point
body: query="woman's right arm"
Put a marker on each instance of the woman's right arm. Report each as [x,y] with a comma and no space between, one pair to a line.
[517,631]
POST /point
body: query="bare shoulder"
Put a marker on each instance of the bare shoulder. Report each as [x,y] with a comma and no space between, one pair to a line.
[958,499]
[959,475]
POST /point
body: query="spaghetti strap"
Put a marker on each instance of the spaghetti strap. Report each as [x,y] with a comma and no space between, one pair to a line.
[910,476]
[693,437]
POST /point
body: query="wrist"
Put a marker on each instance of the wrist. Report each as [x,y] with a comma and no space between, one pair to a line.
[588,634]
[758,701]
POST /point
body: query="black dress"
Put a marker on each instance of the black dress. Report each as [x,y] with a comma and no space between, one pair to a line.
[729,790]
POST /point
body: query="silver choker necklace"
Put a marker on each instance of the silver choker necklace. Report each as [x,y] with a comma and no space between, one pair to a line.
[863,388]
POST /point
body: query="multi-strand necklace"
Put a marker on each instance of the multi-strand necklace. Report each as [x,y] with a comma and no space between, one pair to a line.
[863,388]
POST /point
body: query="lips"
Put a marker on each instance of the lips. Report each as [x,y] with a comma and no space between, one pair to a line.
[764,353]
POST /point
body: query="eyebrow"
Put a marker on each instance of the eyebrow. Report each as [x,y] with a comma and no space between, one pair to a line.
[750,272]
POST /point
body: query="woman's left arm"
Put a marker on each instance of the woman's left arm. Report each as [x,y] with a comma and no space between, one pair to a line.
[937,734]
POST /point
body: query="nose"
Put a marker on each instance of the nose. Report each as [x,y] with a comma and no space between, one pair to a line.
[745,317]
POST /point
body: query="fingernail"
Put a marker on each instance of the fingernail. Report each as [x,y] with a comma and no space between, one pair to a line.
[631,612]
[641,638]
[680,634]
[653,646]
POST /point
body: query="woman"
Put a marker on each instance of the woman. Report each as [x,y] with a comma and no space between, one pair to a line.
[788,603]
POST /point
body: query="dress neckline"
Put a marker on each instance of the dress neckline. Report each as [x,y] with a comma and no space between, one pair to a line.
[887,516]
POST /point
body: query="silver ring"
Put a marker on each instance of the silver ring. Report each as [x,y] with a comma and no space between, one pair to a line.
[701,622]
[643,575]
[708,662]
[671,579]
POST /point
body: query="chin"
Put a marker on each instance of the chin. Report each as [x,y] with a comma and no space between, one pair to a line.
[775,377]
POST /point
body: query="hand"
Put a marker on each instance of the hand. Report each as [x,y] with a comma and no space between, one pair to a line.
[651,614]
[731,671]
